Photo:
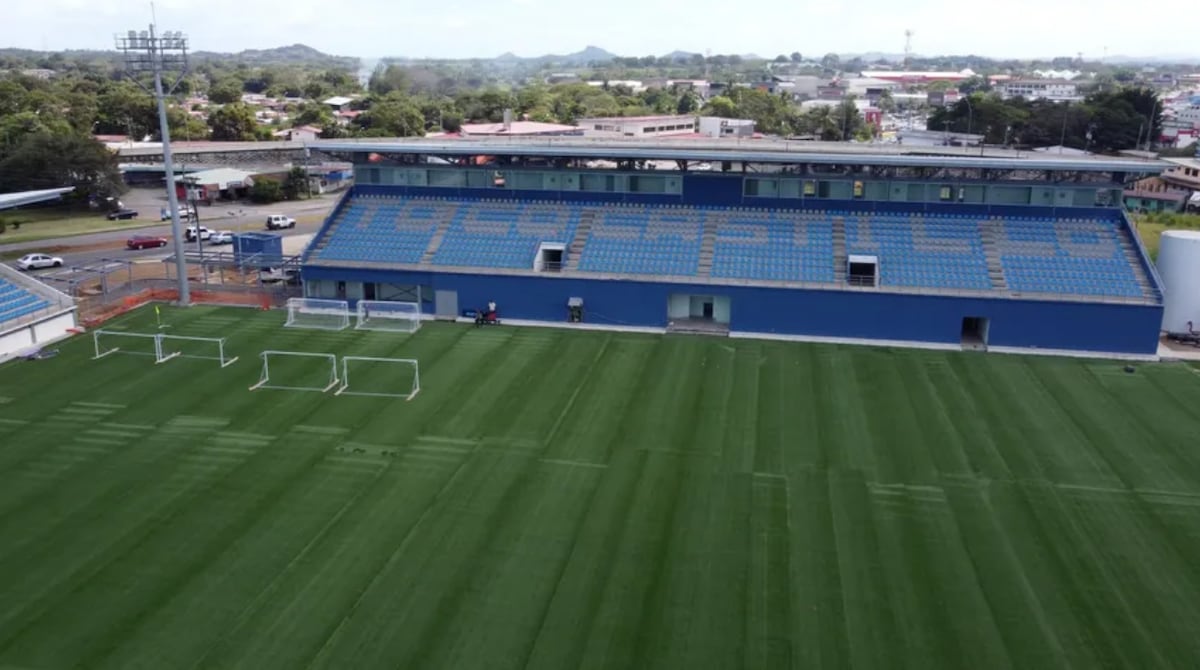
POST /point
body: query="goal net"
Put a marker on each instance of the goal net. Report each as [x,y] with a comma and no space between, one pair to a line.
[185,346]
[319,314]
[109,342]
[400,317]
[297,371]
[382,377]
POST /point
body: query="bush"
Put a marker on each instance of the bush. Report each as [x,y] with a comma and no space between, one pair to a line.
[266,191]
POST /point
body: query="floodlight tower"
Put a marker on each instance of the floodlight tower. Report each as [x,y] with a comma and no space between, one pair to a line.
[147,52]
[908,35]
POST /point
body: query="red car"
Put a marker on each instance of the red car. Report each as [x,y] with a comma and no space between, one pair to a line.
[145,242]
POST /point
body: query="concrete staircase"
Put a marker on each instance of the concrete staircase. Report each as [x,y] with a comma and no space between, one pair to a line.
[839,250]
[1132,257]
[708,241]
[582,230]
[436,241]
[989,233]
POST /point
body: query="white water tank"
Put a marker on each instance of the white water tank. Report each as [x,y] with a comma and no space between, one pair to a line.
[1179,267]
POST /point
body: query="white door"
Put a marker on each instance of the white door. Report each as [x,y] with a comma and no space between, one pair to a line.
[445,304]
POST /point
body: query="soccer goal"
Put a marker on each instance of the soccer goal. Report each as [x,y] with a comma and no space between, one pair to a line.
[186,346]
[381,377]
[399,317]
[298,371]
[319,314]
[109,342]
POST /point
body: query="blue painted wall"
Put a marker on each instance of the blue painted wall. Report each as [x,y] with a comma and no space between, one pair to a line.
[866,314]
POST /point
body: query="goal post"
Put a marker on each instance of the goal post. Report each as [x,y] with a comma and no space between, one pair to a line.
[107,342]
[298,371]
[380,377]
[318,314]
[388,315]
[186,346]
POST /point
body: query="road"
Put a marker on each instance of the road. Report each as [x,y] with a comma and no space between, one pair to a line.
[97,248]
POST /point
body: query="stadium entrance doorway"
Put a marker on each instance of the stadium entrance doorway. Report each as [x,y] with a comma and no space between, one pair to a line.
[974,333]
[698,314]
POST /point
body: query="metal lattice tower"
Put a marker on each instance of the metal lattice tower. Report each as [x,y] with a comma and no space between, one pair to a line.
[908,35]
[149,53]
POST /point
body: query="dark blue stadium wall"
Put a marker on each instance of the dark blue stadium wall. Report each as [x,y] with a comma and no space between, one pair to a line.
[873,315]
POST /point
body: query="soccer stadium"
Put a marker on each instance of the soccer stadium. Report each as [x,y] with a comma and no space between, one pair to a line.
[590,405]
[782,239]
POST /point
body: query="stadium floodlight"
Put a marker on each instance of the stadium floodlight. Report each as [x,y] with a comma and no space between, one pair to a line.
[144,53]
[109,342]
[186,346]
[298,371]
[397,317]
[379,377]
[318,314]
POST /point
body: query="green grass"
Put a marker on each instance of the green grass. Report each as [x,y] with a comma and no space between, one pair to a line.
[38,225]
[561,499]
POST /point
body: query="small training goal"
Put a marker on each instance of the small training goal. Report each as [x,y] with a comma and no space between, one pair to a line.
[186,346]
[160,346]
[298,371]
[108,342]
[318,314]
[398,317]
[380,377]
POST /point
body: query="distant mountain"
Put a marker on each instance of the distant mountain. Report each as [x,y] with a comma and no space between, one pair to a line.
[680,55]
[296,54]
[589,54]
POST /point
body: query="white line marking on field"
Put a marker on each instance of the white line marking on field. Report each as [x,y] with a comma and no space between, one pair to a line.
[574,464]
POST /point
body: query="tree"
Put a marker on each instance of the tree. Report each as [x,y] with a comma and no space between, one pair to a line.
[796,57]
[389,78]
[233,123]
[688,103]
[295,184]
[781,58]
[721,106]
[265,191]
[46,160]
[392,117]
[225,92]
[886,103]
[830,61]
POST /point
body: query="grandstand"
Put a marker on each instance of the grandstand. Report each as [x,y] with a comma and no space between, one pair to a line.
[785,240]
[31,313]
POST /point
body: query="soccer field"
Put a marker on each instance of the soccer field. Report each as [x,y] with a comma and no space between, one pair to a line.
[563,499]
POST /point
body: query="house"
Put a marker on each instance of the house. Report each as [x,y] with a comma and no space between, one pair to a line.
[338,103]
[1155,194]
[510,128]
[1058,90]
[298,134]
[712,126]
[638,126]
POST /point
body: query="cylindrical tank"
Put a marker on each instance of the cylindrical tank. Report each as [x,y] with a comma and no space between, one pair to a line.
[1179,267]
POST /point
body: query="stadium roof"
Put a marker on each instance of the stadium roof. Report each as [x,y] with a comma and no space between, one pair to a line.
[751,151]
[10,200]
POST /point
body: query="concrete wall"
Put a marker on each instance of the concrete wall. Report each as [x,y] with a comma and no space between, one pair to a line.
[866,314]
[36,333]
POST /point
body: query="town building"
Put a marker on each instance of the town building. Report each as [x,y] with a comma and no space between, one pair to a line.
[638,126]
[712,126]
[1058,90]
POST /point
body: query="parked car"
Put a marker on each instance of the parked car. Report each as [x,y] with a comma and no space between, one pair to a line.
[145,242]
[277,221]
[122,214]
[184,214]
[193,231]
[222,237]
[38,261]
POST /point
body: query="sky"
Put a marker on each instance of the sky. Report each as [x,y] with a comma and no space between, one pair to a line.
[488,28]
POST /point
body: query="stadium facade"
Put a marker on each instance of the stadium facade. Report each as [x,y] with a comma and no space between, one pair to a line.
[925,246]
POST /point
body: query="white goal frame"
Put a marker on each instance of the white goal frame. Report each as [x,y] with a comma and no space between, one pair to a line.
[345,388]
[299,307]
[265,376]
[388,315]
[164,355]
[158,355]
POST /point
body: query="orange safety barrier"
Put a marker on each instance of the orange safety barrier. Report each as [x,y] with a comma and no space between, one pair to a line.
[94,317]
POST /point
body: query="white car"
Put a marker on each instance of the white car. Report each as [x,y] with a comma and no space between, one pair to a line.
[278,221]
[191,232]
[222,237]
[38,261]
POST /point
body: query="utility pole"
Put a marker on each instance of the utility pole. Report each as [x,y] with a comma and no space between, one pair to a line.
[147,52]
